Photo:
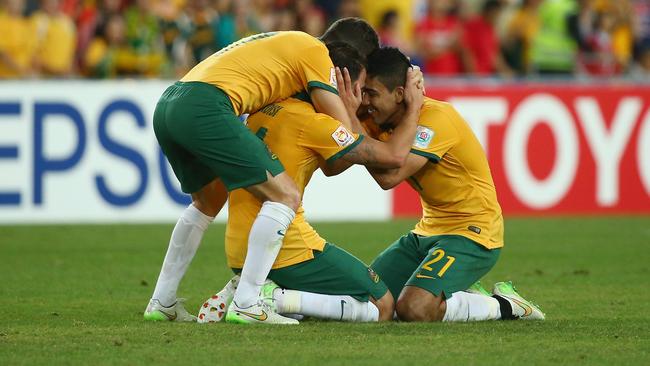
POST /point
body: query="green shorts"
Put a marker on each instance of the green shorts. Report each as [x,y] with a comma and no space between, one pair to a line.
[333,271]
[441,264]
[203,139]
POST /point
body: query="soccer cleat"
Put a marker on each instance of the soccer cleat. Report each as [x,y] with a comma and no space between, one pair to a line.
[258,313]
[176,312]
[214,309]
[478,289]
[521,308]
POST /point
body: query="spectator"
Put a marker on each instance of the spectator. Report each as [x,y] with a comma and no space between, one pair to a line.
[622,32]
[91,22]
[18,41]
[200,39]
[175,26]
[592,33]
[287,19]
[235,22]
[309,17]
[262,11]
[483,43]
[57,40]
[109,54]
[641,28]
[349,8]
[438,37]
[553,50]
[142,35]
[519,35]
[390,33]
[641,71]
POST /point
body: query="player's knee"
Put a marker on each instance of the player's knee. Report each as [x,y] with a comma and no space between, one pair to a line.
[205,205]
[287,194]
[414,311]
[281,189]
[293,197]
[386,306]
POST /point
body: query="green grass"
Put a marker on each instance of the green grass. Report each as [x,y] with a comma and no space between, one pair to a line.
[75,295]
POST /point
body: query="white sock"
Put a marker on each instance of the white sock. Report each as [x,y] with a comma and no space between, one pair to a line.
[467,307]
[264,243]
[183,244]
[333,307]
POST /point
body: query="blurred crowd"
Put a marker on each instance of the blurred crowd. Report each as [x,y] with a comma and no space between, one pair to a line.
[165,38]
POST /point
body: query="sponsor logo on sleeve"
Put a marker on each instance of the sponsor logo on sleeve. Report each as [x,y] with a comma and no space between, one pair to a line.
[423,137]
[342,137]
[333,78]
[373,275]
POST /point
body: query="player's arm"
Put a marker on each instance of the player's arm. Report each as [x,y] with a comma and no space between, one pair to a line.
[327,102]
[389,178]
[375,153]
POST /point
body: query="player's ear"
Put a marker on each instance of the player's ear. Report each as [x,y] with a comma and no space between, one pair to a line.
[398,93]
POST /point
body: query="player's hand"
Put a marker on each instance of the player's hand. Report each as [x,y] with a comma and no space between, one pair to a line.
[350,95]
[420,76]
[413,90]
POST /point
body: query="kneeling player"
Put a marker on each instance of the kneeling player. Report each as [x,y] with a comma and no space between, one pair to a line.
[317,278]
[459,238]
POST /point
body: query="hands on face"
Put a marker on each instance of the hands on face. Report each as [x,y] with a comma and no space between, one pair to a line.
[350,95]
[414,88]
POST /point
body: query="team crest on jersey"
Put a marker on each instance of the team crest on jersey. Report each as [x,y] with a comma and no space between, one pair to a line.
[373,275]
[423,137]
[333,78]
[342,136]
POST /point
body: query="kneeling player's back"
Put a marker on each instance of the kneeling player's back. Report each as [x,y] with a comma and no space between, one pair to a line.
[299,137]
[266,68]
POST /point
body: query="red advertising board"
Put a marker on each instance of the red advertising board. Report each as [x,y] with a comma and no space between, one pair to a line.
[558,148]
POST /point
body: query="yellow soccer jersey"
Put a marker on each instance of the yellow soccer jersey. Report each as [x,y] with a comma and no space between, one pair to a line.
[18,42]
[456,188]
[299,137]
[267,68]
[57,42]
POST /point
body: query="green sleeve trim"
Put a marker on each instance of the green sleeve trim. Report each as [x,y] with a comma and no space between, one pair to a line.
[346,150]
[303,95]
[317,84]
[432,157]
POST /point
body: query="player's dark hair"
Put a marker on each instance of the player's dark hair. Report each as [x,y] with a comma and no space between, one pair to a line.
[355,32]
[344,55]
[389,65]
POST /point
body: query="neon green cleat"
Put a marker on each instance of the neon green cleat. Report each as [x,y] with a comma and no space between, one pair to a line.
[521,308]
[478,289]
[267,294]
[258,313]
[176,312]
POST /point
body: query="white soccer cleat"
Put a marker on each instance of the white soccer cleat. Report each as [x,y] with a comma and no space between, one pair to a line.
[176,312]
[214,309]
[521,308]
[258,313]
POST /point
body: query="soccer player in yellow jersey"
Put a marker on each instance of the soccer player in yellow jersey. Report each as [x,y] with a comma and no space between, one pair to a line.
[211,152]
[318,278]
[460,235]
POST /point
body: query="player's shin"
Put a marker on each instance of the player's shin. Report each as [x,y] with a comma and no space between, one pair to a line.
[467,307]
[183,244]
[332,307]
[264,243]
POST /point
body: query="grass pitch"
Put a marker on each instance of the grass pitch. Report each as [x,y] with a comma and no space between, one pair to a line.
[75,295]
